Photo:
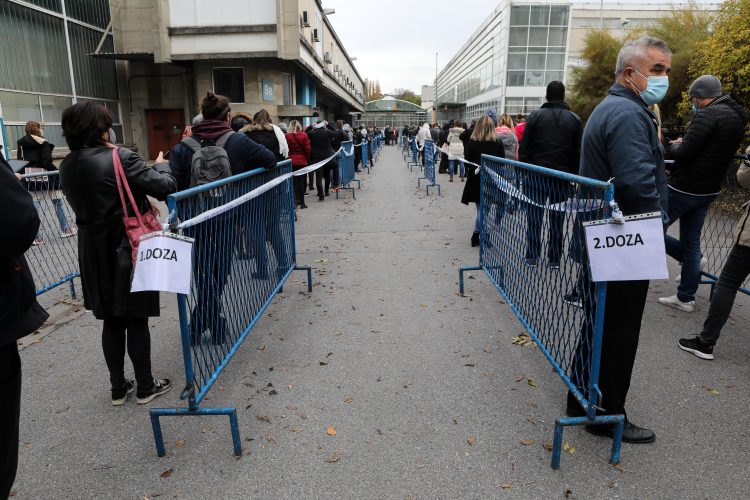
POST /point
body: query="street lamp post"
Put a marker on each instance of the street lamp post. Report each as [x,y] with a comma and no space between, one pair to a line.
[435,97]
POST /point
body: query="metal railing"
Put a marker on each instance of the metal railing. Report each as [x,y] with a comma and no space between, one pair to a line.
[429,166]
[346,164]
[241,258]
[536,258]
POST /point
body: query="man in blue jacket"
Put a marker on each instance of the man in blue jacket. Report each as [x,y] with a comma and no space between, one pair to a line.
[621,142]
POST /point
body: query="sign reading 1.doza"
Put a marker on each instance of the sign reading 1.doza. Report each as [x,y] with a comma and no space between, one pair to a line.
[164,263]
[627,252]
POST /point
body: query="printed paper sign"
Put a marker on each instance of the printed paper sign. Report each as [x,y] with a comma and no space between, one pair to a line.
[164,263]
[627,252]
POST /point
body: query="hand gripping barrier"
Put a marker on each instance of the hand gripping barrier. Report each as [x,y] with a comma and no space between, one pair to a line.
[429,166]
[53,259]
[235,276]
[346,164]
[718,237]
[553,297]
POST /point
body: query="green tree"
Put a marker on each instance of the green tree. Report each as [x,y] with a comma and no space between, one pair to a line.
[684,30]
[592,80]
[408,95]
[726,52]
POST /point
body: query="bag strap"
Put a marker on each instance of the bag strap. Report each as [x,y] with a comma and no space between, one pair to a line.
[123,181]
[222,141]
[191,143]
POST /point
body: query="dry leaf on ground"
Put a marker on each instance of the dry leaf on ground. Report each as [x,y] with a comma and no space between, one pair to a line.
[166,473]
[333,457]
[179,442]
[331,431]
[531,382]
[470,440]
[527,442]
[505,486]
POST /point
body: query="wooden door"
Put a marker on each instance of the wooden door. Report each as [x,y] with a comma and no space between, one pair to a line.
[165,128]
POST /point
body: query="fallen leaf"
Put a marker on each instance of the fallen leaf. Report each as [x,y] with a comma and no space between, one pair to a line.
[296,429]
[291,407]
[333,457]
[331,431]
[270,439]
[323,363]
[547,445]
[487,350]
[518,379]
[505,486]
[531,382]
[470,440]
[29,445]
[455,420]
[527,442]
[179,442]
[289,387]
[166,473]
[348,399]
[568,448]
[711,390]
[568,493]
[423,305]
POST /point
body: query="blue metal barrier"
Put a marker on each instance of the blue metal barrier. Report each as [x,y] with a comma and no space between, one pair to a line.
[414,154]
[53,259]
[366,163]
[235,277]
[554,298]
[346,164]
[429,166]
[405,147]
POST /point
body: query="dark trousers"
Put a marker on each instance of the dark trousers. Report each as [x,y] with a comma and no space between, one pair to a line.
[267,228]
[299,189]
[622,327]
[735,271]
[116,333]
[357,157]
[323,174]
[10,411]
[310,180]
[540,191]
[335,172]
[211,269]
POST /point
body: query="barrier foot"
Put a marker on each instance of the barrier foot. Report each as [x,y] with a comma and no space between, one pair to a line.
[73,289]
[461,276]
[359,184]
[557,443]
[617,420]
[614,458]
[309,275]
[156,413]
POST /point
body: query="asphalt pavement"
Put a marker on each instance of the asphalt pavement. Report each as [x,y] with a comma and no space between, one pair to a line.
[385,383]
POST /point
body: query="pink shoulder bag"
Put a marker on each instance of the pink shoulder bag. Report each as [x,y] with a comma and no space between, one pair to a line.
[137,226]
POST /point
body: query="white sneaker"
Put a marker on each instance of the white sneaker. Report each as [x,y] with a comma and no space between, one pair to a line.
[673,301]
[704,261]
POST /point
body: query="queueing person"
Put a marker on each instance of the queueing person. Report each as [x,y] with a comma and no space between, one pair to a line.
[483,140]
[455,151]
[37,150]
[104,253]
[321,143]
[244,155]
[736,270]
[551,139]
[701,157]
[621,143]
[299,153]
[20,313]
[264,132]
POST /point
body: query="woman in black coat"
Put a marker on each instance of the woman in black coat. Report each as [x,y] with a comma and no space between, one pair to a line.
[104,253]
[482,141]
[321,143]
[37,150]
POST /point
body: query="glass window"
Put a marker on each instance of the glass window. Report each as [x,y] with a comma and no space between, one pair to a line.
[557,36]
[515,78]
[93,12]
[230,82]
[558,15]
[20,107]
[535,78]
[554,75]
[286,86]
[519,15]
[533,103]
[513,104]
[539,15]
[94,77]
[555,61]
[53,5]
[535,61]
[516,61]
[518,37]
[53,106]
[115,109]
[538,37]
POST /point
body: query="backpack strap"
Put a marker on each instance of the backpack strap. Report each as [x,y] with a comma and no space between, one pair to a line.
[222,141]
[191,143]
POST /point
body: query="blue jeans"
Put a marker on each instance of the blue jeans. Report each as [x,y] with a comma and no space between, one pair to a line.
[452,167]
[691,211]
[59,205]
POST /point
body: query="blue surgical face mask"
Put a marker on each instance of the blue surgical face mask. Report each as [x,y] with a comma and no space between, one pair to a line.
[694,106]
[655,90]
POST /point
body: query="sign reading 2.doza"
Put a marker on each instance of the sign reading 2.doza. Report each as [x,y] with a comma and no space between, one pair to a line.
[164,263]
[627,252]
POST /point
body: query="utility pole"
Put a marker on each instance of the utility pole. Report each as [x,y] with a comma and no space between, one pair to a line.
[435,97]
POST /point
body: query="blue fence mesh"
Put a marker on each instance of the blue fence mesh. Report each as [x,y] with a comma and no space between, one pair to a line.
[532,247]
[241,258]
[346,165]
[413,159]
[53,259]
[366,163]
[429,166]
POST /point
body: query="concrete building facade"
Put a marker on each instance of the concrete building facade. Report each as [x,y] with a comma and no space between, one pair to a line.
[522,46]
[280,55]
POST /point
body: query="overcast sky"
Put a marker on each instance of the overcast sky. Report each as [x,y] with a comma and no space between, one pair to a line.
[395,41]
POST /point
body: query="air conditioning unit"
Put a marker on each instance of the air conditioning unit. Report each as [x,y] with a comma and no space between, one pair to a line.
[336,68]
[327,58]
[305,20]
[315,36]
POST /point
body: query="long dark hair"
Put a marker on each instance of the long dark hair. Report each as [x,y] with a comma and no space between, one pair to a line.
[84,123]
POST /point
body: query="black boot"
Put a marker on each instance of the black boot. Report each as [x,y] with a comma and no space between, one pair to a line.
[475,239]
